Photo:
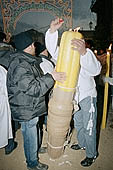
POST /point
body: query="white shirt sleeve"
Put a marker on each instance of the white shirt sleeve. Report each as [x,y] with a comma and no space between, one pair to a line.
[51,40]
[90,64]
[3,75]
[46,66]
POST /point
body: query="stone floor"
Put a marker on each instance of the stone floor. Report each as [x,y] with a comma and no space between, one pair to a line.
[71,159]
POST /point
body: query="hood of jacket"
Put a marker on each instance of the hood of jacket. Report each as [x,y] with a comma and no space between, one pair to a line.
[5,51]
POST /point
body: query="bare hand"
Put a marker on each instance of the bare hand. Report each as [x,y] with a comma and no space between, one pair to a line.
[58,76]
[56,24]
[79,45]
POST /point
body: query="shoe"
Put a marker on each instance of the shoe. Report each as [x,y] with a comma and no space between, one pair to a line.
[40,166]
[42,150]
[7,152]
[87,161]
[77,147]
[95,157]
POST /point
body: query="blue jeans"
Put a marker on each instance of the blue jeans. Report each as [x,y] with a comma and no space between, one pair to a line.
[29,131]
[81,119]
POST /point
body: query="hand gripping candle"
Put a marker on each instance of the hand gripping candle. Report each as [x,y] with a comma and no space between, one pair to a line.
[60,106]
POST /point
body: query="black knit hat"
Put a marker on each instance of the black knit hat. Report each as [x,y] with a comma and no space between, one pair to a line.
[22,40]
[39,47]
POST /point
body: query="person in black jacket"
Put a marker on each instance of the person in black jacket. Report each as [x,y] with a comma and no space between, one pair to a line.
[47,66]
[27,87]
[5,50]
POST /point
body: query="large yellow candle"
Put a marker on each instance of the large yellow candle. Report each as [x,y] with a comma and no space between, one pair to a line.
[60,105]
[68,61]
[106,88]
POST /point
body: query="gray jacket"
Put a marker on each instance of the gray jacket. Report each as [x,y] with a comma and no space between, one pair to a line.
[27,86]
[5,51]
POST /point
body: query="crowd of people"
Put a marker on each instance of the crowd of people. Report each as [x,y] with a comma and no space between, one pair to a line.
[27,76]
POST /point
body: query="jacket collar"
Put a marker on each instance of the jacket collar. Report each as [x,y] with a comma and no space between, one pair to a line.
[5,46]
[30,58]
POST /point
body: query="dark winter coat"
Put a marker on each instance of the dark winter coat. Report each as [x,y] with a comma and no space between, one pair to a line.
[5,51]
[27,87]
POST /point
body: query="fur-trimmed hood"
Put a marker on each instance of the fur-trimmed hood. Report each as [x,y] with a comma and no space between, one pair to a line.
[5,51]
[6,47]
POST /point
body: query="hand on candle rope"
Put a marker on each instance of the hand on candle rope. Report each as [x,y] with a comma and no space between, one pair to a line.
[56,24]
[58,76]
[79,45]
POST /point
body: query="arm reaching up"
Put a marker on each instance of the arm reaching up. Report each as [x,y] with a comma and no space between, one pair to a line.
[51,38]
[55,25]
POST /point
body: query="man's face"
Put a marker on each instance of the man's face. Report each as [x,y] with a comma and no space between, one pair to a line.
[32,49]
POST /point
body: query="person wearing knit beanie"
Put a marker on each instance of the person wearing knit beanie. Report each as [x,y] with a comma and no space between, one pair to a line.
[22,40]
[39,48]
[27,88]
